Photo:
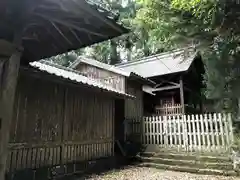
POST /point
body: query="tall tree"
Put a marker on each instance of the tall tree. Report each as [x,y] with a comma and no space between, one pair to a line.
[66,59]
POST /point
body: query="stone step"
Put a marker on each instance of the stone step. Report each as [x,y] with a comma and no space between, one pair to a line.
[189,163]
[188,156]
[189,169]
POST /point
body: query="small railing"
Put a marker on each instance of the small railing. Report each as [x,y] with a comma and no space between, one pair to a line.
[169,110]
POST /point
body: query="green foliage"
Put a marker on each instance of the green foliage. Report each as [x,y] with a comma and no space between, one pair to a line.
[236,143]
[100,52]
[67,58]
[143,40]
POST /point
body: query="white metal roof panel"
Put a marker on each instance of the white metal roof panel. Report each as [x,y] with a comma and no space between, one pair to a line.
[160,64]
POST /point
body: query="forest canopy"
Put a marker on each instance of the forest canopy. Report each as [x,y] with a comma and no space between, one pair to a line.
[162,25]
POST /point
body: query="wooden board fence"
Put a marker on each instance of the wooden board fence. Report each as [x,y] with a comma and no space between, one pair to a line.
[23,156]
[207,132]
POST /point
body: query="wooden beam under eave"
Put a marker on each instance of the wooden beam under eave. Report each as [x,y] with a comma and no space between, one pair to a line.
[75,35]
[61,33]
[182,95]
[166,88]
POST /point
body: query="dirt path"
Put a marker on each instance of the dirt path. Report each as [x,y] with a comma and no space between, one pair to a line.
[154,174]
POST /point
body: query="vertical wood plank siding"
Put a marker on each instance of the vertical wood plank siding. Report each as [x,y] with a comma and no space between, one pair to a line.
[56,124]
[134,109]
[114,80]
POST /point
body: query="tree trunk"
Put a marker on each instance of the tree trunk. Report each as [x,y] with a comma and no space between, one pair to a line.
[114,59]
[9,67]
[129,54]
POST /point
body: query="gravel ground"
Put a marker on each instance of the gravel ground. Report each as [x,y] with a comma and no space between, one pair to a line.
[133,173]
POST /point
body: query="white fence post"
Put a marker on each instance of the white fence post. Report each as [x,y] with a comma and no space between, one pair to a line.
[216,130]
[175,131]
[226,130]
[190,133]
[194,132]
[222,144]
[147,130]
[185,133]
[170,131]
[202,131]
[210,120]
[161,130]
[150,130]
[179,133]
[157,129]
[165,131]
[198,132]
[231,140]
[207,132]
[153,130]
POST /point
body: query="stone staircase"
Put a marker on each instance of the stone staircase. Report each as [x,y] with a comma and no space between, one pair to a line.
[193,163]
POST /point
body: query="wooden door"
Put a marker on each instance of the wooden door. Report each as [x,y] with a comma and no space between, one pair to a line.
[119,124]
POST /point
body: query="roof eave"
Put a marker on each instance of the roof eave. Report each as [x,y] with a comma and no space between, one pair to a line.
[142,80]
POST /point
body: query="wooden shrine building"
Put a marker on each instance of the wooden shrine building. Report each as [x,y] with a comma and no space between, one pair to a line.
[61,117]
[178,78]
[30,31]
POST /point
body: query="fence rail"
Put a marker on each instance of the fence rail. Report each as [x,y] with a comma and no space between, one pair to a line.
[22,156]
[208,132]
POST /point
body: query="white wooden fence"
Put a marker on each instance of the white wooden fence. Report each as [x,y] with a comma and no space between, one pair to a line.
[208,132]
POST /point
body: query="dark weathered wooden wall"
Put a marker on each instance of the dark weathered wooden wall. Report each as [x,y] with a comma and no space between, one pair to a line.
[134,109]
[89,122]
[134,106]
[56,124]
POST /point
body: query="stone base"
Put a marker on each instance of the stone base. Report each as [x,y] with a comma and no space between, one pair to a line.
[151,148]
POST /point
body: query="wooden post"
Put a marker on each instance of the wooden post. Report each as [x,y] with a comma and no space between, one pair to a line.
[185,132]
[10,55]
[64,127]
[182,95]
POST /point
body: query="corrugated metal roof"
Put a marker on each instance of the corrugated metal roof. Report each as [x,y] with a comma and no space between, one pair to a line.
[161,64]
[75,76]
